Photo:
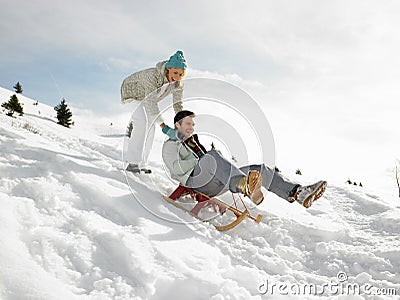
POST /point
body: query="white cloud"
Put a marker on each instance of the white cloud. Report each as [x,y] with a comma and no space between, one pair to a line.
[113,63]
[292,39]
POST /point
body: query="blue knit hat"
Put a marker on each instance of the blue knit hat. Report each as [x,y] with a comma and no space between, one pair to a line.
[176,61]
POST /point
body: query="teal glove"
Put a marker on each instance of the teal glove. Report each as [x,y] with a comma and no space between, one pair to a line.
[170,132]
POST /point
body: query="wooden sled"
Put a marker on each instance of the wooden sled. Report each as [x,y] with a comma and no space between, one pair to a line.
[205,201]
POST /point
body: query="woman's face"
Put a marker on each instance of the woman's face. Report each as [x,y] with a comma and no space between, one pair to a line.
[175,74]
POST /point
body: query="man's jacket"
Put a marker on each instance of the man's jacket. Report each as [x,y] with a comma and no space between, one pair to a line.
[180,159]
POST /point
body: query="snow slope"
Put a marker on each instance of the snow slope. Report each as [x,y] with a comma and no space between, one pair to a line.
[72,228]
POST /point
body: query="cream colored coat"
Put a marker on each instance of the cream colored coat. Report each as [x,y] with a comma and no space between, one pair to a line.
[143,84]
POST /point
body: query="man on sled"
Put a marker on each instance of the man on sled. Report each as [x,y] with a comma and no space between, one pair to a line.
[209,173]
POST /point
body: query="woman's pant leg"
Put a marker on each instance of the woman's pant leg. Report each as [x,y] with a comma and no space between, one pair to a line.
[133,153]
[148,143]
[140,142]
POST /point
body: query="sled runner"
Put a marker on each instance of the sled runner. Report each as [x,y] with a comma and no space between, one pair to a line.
[206,201]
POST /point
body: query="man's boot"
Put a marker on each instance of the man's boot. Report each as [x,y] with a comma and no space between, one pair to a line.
[251,186]
[306,195]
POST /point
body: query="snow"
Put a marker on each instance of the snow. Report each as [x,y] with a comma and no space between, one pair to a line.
[72,226]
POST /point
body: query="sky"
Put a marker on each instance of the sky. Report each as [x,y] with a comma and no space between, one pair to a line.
[324,72]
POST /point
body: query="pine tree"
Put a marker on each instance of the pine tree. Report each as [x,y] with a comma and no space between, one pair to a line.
[349,181]
[298,172]
[212,146]
[64,114]
[129,129]
[18,88]
[277,169]
[13,105]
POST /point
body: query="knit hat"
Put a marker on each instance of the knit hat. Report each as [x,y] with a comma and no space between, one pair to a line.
[176,61]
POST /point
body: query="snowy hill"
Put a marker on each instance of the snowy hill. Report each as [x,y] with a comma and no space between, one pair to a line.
[72,228]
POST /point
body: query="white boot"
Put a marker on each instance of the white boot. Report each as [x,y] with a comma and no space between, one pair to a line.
[306,195]
[134,168]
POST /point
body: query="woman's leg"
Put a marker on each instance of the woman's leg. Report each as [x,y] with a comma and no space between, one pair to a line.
[133,153]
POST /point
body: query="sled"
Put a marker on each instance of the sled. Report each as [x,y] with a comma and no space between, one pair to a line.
[206,201]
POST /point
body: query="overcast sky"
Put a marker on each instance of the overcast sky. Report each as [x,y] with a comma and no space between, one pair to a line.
[82,50]
[310,64]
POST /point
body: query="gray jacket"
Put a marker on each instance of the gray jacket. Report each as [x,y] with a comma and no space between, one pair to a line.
[140,85]
[179,159]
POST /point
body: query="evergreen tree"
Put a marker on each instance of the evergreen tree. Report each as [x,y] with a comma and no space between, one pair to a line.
[18,88]
[360,184]
[13,105]
[129,129]
[277,169]
[212,146]
[349,181]
[298,172]
[64,114]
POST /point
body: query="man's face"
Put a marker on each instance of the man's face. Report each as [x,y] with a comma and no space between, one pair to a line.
[187,126]
[175,74]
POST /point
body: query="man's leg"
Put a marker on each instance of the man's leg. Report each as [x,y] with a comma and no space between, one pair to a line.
[214,175]
[273,181]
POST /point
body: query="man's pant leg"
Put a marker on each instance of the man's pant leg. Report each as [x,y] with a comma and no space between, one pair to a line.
[214,175]
[273,181]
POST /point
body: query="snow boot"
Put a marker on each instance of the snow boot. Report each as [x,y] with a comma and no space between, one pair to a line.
[145,170]
[134,168]
[306,195]
[251,186]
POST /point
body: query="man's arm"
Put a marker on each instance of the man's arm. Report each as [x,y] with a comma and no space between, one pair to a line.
[179,168]
[169,131]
